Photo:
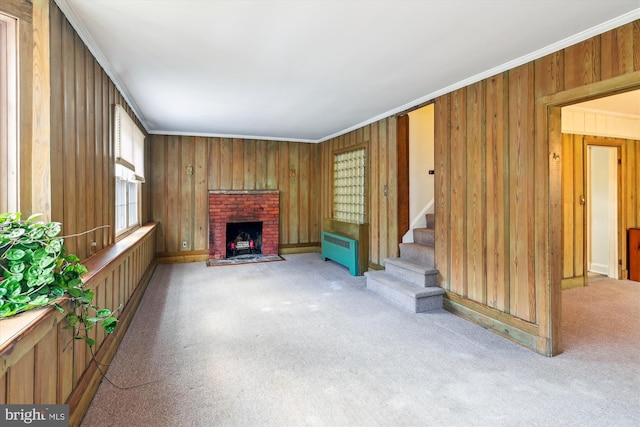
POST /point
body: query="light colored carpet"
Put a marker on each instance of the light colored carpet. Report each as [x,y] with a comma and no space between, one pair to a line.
[303,343]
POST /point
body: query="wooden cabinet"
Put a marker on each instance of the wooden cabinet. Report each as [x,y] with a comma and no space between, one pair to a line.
[634,254]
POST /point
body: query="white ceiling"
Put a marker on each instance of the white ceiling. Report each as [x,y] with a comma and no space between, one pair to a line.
[309,70]
[624,103]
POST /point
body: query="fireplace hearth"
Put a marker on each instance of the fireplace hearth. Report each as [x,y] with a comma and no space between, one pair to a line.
[243,223]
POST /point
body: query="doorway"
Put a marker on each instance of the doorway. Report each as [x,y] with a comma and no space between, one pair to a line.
[602,211]
[599,200]
[416,169]
[626,144]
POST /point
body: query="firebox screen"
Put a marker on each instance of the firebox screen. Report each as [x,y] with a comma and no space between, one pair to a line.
[244,238]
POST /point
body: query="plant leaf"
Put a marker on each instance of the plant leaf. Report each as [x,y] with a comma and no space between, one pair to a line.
[109,324]
[71,258]
[17,266]
[33,216]
[72,319]
[40,300]
[21,299]
[74,282]
[14,277]
[7,310]
[105,312]
[46,262]
[38,254]
[52,229]
[14,254]
[74,292]
[17,232]
[13,288]
[54,247]
[36,233]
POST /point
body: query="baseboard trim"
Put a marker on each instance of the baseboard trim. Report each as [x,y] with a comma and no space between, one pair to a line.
[572,282]
[599,268]
[300,249]
[182,257]
[373,266]
[526,334]
[201,256]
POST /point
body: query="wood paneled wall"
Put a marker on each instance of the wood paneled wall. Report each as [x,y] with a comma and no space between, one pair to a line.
[380,138]
[496,191]
[180,199]
[82,152]
[45,364]
[573,187]
[573,212]
[631,153]
[66,170]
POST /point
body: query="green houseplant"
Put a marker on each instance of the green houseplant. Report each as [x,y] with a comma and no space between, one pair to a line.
[36,271]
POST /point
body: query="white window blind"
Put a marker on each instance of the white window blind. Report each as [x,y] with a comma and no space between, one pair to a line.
[129,143]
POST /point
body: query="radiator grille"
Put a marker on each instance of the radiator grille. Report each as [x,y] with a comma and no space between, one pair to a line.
[339,242]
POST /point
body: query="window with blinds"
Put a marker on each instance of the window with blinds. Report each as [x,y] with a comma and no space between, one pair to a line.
[349,186]
[129,143]
[129,153]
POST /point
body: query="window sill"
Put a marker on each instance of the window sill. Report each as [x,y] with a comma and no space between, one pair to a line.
[15,328]
[127,232]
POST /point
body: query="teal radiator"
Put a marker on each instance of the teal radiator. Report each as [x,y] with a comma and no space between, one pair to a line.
[340,249]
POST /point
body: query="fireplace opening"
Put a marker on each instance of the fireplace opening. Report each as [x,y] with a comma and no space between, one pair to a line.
[243,238]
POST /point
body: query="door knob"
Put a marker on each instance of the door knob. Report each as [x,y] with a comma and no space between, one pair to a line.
[582,200]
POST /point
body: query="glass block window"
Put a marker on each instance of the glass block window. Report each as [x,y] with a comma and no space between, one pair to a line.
[349,186]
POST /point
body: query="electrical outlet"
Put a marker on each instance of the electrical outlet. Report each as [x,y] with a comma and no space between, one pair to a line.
[184,244]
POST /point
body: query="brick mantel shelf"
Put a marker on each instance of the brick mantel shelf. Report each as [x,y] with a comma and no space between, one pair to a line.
[229,206]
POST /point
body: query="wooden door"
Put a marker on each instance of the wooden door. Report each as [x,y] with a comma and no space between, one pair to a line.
[403,175]
[634,254]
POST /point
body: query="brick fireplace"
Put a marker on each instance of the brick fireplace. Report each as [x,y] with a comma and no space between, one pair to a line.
[238,206]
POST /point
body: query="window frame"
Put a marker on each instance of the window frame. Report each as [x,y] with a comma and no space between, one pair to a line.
[129,223]
[9,115]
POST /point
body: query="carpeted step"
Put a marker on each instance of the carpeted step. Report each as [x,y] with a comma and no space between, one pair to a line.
[431,220]
[404,294]
[411,272]
[420,254]
[424,236]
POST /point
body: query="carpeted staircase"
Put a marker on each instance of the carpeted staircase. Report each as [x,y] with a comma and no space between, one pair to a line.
[410,281]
